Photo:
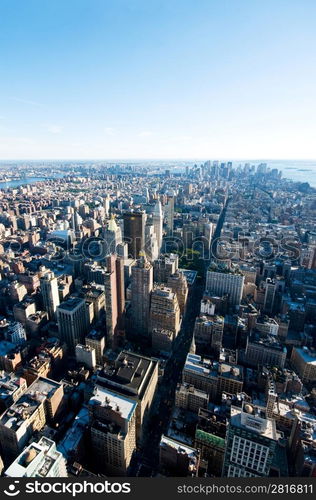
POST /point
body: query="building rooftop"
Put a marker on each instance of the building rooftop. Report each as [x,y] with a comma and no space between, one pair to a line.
[95,335]
[308,355]
[117,402]
[74,435]
[211,369]
[9,383]
[267,340]
[22,409]
[181,448]
[129,374]
[70,304]
[190,275]
[36,460]
[254,419]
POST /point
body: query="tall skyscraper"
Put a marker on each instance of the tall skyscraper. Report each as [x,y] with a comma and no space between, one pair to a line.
[164,310]
[158,223]
[251,442]
[151,249]
[112,236]
[142,285]
[72,322]
[111,298]
[169,213]
[134,232]
[165,266]
[107,200]
[49,289]
[178,284]
[114,297]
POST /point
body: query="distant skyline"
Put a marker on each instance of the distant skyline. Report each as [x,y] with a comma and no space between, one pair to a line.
[157,79]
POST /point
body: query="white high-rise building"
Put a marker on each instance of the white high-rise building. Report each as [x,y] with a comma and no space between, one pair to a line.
[158,222]
[107,200]
[112,236]
[39,460]
[151,248]
[251,442]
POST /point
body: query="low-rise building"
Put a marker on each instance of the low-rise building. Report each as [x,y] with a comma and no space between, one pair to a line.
[39,460]
[178,459]
[304,361]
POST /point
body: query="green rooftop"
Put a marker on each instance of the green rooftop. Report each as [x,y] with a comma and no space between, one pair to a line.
[210,439]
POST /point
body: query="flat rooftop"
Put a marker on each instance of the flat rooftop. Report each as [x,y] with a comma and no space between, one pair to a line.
[307,355]
[9,383]
[28,403]
[130,373]
[266,427]
[208,368]
[179,447]
[70,304]
[44,450]
[118,402]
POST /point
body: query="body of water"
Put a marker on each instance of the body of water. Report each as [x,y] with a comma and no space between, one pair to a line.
[297,170]
[21,182]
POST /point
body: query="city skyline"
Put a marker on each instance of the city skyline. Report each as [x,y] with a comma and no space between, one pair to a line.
[157,80]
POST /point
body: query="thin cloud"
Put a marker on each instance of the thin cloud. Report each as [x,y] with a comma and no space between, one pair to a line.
[145,133]
[27,101]
[54,128]
[109,131]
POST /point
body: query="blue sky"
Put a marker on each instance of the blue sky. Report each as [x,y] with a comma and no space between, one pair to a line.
[157,79]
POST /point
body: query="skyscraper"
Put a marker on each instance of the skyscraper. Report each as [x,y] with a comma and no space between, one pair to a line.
[134,232]
[178,284]
[72,322]
[169,212]
[164,310]
[142,285]
[107,201]
[49,289]
[114,297]
[113,430]
[134,376]
[158,222]
[111,298]
[112,236]
[151,249]
[251,442]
